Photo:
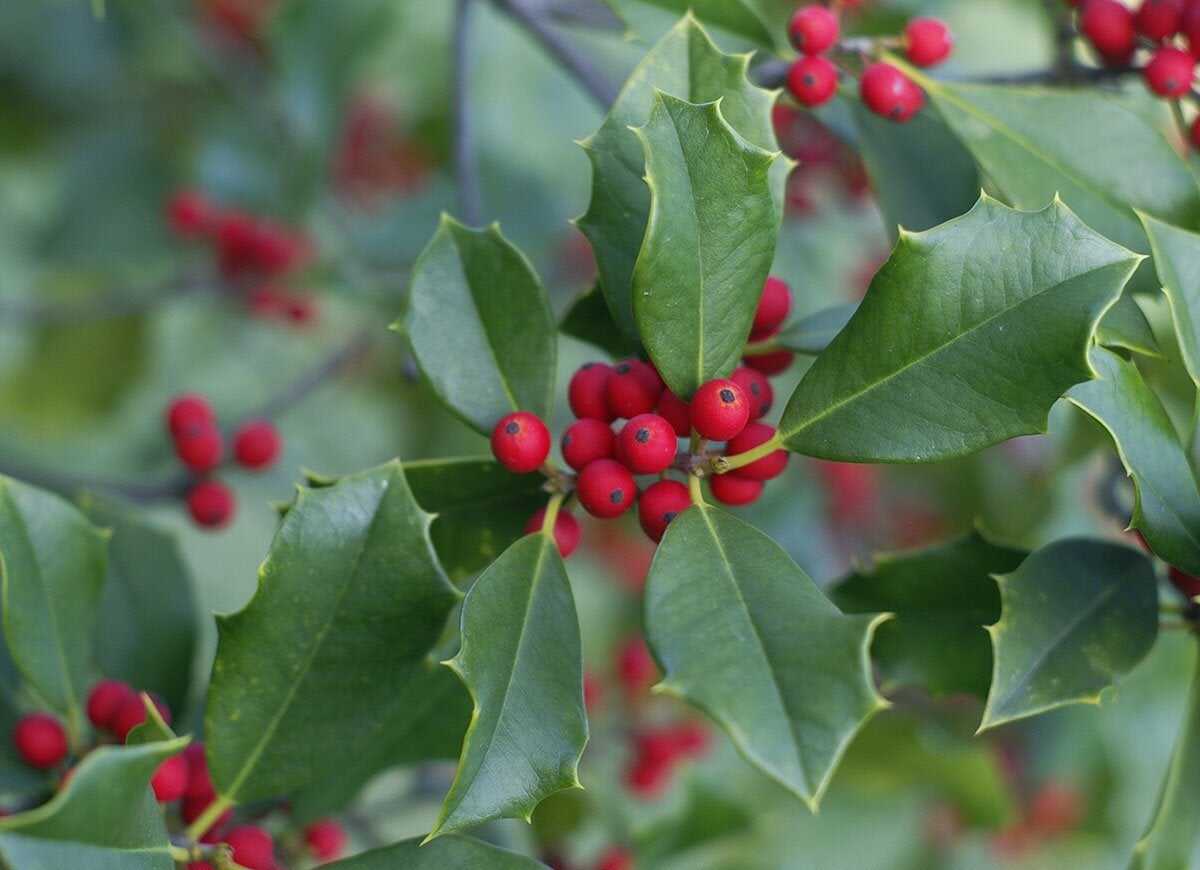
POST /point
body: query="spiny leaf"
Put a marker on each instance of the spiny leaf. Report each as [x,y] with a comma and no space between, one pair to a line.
[1177,259]
[445,853]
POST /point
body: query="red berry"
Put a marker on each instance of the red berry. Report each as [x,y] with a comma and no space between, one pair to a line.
[105,699]
[927,41]
[774,306]
[615,858]
[1055,809]
[275,251]
[720,410]
[300,310]
[1189,24]
[41,740]
[170,781]
[813,29]
[659,504]
[326,840]
[759,394]
[635,666]
[1188,585]
[566,530]
[771,465]
[648,444]
[1159,19]
[587,394]
[772,363]
[189,412]
[190,214]
[200,783]
[606,488]
[521,442]
[256,444]
[587,440]
[691,739]
[200,449]
[132,713]
[888,92]
[237,239]
[813,80]
[675,411]
[733,490]
[633,388]
[1170,72]
[253,848]
[1108,25]
[211,504]
[592,691]
[647,779]
[194,807]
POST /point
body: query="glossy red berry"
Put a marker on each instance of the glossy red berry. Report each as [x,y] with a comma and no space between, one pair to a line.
[759,393]
[256,444]
[587,440]
[927,41]
[104,700]
[633,388]
[606,488]
[615,858]
[774,306]
[770,466]
[253,848]
[773,363]
[211,504]
[40,740]
[675,411]
[521,442]
[190,214]
[733,490]
[888,92]
[170,780]
[813,29]
[201,449]
[326,840]
[1188,585]
[659,504]
[567,533]
[1170,72]
[587,394]
[648,444]
[812,80]
[719,410]
[189,412]
[1108,25]
[1159,19]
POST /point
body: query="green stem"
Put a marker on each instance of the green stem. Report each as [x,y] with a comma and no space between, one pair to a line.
[694,489]
[181,855]
[726,464]
[551,517]
[1180,121]
[755,348]
[205,820]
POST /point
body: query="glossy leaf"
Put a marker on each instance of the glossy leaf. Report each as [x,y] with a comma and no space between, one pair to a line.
[52,565]
[744,634]
[968,335]
[810,335]
[942,598]
[316,665]
[1167,501]
[522,662]
[1125,326]
[445,853]
[1075,616]
[480,326]
[1177,259]
[744,18]
[588,319]
[685,64]
[709,243]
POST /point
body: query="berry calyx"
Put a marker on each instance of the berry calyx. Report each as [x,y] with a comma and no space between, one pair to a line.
[585,441]
[200,449]
[648,444]
[675,411]
[735,491]
[105,700]
[1108,25]
[253,848]
[771,363]
[888,92]
[326,840]
[812,80]
[170,781]
[1159,19]
[211,504]
[256,445]
[927,41]
[770,466]
[633,388]
[813,29]
[606,488]
[659,504]
[567,533]
[774,306]
[189,412]
[587,395]
[521,442]
[1170,72]
[719,410]
[759,393]
[41,740]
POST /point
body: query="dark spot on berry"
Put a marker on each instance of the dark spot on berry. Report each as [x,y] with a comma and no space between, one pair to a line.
[668,516]
[617,496]
[566,442]
[586,366]
[809,79]
[727,396]
[755,388]
[641,436]
[623,368]
[513,427]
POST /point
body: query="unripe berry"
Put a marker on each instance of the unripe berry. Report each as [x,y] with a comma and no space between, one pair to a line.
[326,840]
[200,449]
[586,393]
[567,533]
[189,412]
[771,465]
[759,394]
[813,80]
[170,780]
[772,363]
[719,410]
[813,29]
[659,504]
[585,441]
[105,700]
[521,442]
[190,214]
[927,41]
[888,92]
[733,490]
[648,444]
[616,858]
[675,411]
[774,306]
[253,848]
[633,388]
[256,444]
[40,740]
[211,504]
[606,488]
[1159,19]
[1108,25]
[1188,585]
[1170,72]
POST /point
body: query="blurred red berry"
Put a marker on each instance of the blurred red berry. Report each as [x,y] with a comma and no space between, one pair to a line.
[1170,72]
[211,504]
[773,363]
[40,740]
[200,783]
[1187,584]
[615,858]
[189,412]
[593,691]
[104,700]
[1055,809]
[190,214]
[1108,25]
[200,449]
[927,41]
[813,29]
[675,411]
[635,666]
[170,781]
[888,92]
[1159,19]
[812,80]
[194,806]
[256,444]
[326,839]
[774,306]
[567,533]
[253,848]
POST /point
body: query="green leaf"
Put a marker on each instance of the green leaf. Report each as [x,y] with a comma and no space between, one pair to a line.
[106,818]
[16,777]
[1125,326]
[1076,615]
[315,666]
[480,326]
[1177,259]
[810,335]
[153,730]
[522,662]
[953,349]
[744,634]
[148,608]
[709,243]
[708,816]
[942,598]
[1167,501]
[686,64]
[445,853]
[588,319]
[1169,842]
[745,18]
[52,568]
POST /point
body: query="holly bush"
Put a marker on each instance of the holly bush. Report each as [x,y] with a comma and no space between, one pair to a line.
[882,319]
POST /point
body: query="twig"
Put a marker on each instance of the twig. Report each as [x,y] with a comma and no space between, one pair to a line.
[466,168]
[105,307]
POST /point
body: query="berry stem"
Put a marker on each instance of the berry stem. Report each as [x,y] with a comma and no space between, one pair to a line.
[466,167]
[754,348]
[694,489]
[551,517]
[205,820]
[726,464]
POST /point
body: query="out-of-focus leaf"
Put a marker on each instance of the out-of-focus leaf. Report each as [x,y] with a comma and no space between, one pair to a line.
[811,334]
[1177,259]
[444,853]
[588,319]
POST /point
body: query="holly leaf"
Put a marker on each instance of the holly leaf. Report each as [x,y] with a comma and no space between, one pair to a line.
[445,853]
[942,598]
[1075,616]
[709,243]
[522,662]
[316,665]
[480,326]
[810,335]
[153,730]
[744,634]
[52,567]
[1177,259]
[1125,326]
[589,320]
[953,350]
[744,18]
[1166,506]
[685,64]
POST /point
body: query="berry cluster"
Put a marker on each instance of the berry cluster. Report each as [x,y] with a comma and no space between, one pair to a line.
[813,78]
[200,445]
